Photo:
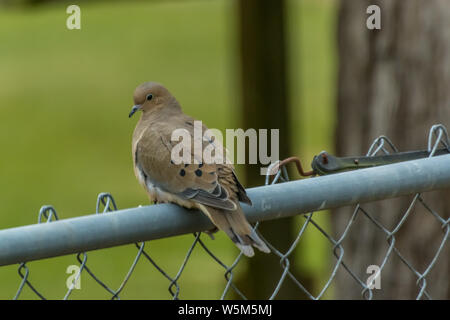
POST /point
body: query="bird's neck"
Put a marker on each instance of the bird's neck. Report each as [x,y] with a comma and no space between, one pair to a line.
[162,112]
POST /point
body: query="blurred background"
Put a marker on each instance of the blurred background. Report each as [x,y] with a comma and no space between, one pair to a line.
[308,67]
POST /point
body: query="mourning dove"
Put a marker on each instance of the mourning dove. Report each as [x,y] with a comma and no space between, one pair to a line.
[212,188]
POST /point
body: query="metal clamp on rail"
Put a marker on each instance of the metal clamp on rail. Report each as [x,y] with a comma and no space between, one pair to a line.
[325,163]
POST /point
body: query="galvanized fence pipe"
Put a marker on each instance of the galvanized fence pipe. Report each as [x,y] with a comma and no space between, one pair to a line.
[92,232]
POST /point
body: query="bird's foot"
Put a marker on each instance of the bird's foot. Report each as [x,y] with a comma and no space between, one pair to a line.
[211,232]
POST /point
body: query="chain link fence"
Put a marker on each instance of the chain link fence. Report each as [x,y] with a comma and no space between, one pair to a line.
[105,204]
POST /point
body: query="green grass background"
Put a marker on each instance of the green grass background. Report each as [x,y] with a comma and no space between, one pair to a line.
[65,135]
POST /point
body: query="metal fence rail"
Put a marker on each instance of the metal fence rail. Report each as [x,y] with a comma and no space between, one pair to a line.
[92,232]
[273,201]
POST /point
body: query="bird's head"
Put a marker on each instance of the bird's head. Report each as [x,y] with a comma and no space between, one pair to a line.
[149,96]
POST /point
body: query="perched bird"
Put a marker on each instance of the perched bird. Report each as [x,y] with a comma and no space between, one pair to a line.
[212,188]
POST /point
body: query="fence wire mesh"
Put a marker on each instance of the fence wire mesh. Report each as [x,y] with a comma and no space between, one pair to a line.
[382,145]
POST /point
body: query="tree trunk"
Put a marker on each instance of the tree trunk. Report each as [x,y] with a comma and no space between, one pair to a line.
[265,106]
[394,81]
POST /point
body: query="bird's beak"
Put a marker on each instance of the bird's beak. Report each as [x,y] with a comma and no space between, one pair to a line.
[134,109]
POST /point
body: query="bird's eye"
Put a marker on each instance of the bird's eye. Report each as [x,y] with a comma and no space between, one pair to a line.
[149,97]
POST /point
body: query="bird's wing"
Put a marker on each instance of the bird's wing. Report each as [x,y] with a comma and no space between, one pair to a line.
[210,184]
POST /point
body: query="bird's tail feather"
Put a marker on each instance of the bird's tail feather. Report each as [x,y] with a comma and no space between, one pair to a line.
[236,226]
